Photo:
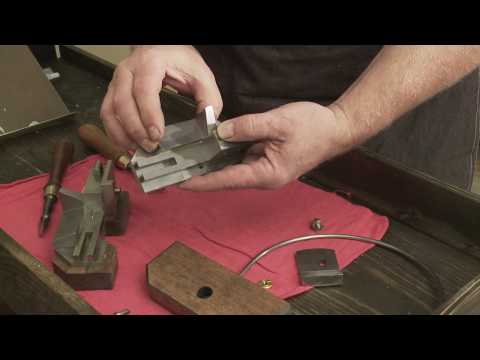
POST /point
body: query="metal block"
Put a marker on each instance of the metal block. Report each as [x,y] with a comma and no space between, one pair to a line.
[318,267]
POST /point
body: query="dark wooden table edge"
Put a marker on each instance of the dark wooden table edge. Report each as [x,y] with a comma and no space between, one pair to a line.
[44,284]
[444,212]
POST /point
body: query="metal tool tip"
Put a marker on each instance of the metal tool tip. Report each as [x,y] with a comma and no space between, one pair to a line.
[41,228]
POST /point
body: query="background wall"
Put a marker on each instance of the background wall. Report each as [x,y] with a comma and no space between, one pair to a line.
[111,53]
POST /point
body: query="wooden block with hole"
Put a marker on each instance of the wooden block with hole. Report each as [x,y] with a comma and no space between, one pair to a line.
[98,276]
[188,283]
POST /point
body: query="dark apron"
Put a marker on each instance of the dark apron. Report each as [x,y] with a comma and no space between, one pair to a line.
[439,138]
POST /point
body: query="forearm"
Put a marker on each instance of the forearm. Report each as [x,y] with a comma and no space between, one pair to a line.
[399,79]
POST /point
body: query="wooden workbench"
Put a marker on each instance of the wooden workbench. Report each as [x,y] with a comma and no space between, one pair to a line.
[379,282]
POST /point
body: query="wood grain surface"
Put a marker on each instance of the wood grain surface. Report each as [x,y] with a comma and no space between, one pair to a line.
[188,283]
[28,287]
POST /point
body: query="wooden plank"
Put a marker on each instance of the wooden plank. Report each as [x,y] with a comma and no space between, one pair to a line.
[188,283]
[28,287]
[476,179]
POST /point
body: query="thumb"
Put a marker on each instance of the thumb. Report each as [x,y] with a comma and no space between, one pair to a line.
[252,127]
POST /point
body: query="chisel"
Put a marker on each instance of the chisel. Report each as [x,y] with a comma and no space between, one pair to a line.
[62,157]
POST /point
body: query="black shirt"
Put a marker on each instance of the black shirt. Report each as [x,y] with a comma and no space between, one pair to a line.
[440,137]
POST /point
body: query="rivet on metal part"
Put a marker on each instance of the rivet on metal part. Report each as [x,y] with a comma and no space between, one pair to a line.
[316,225]
[266,284]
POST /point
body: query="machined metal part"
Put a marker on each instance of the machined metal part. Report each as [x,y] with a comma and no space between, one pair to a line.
[318,267]
[99,210]
[187,149]
[79,239]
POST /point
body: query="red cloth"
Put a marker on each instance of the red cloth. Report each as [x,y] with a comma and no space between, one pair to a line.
[228,227]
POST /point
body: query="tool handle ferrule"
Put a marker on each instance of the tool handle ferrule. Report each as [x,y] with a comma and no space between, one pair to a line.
[95,138]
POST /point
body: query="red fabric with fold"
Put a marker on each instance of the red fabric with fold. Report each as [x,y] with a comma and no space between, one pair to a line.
[228,227]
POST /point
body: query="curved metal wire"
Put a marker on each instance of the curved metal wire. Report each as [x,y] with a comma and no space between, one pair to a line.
[435,279]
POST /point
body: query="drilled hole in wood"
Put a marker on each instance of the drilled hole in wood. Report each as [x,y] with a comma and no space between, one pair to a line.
[204,292]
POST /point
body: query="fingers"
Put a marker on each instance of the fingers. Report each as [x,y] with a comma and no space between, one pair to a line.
[206,93]
[132,111]
[231,177]
[260,174]
[201,85]
[252,127]
[257,149]
[146,90]
[112,126]
[254,153]
[249,159]
[126,110]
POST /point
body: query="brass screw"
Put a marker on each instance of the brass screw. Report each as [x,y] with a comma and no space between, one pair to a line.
[316,225]
[266,284]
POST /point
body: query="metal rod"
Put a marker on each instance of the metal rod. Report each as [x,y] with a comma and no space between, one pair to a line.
[438,285]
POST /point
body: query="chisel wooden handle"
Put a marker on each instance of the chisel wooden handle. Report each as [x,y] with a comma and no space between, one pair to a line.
[62,157]
[95,138]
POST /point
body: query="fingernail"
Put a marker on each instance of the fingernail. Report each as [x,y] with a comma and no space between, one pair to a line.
[149,146]
[225,130]
[154,133]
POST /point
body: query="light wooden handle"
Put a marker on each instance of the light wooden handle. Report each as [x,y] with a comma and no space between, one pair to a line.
[95,138]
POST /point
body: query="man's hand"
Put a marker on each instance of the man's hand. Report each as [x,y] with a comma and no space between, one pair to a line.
[131,110]
[297,137]
[291,140]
